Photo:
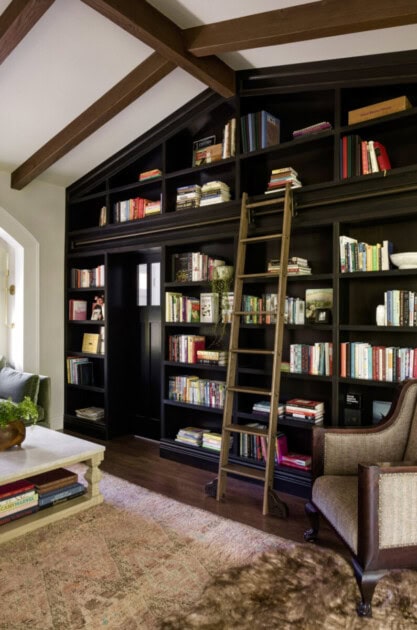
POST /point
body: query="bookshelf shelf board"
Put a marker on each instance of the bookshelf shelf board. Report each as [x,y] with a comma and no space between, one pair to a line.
[212,166]
[88,388]
[365,275]
[78,353]
[379,329]
[86,322]
[282,420]
[174,403]
[196,366]
[309,377]
[368,382]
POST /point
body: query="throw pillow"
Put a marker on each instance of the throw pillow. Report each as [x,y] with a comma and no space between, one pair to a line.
[16,385]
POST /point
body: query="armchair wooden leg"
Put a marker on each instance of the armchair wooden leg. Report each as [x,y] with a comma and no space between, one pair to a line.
[367,581]
[310,535]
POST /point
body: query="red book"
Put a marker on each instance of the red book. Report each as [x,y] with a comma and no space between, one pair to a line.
[382,156]
[364,153]
[296,460]
[15,487]
[310,405]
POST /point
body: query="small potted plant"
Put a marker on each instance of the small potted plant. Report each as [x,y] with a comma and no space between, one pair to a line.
[14,417]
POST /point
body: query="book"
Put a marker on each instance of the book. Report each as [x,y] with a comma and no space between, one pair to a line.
[315,128]
[15,488]
[57,495]
[90,343]
[77,310]
[53,479]
[209,308]
[296,460]
[382,158]
[376,110]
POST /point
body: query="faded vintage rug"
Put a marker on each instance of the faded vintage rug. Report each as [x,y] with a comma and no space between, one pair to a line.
[143,561]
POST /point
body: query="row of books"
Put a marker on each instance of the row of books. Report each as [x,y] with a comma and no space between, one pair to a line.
[259,130]
[362,157]
[279,179]
[194,266]
[253,447]
[192,349]
[80,371]
[135,209]
[360,256]
[23,497]
[400,307]
[316,359]
[86,278]
[263,310]
[377,363]
[208,150]
[205,309]
[197,391]
[194,195]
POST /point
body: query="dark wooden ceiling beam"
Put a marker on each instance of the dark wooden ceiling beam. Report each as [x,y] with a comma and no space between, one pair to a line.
[141,79]
[143,21]
[16,21]
[298,23]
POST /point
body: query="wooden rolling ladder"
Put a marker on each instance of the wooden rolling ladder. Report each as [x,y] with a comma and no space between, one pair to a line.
[272,504]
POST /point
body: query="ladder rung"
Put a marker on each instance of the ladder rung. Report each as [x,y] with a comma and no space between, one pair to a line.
[264,274]
[251,351]
[244,471]
[250,390]
[261,204]
[241,428]
[260,239]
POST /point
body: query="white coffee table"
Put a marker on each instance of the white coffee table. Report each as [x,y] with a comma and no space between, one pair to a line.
[42,450]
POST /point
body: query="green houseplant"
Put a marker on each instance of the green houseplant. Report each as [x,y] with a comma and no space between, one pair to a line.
[14,417]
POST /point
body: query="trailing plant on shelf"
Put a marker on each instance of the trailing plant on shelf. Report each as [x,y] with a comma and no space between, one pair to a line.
[222,284]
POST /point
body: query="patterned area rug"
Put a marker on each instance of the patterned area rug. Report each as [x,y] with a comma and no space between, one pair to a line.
[125,564]
[143,561]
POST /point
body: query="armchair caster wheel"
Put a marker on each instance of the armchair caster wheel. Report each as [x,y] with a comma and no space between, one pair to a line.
[310,535]
[364,610]
[211,488]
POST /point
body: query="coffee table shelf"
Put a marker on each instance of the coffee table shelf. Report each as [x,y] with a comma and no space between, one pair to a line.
[43,450]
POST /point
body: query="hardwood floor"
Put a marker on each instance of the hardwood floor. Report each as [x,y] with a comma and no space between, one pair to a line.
[137,460]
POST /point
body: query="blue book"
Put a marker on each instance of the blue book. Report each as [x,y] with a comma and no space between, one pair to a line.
[60,494]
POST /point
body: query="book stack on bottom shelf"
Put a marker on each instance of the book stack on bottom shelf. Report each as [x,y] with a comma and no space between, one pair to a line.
[56,486]
[90,413]
[17,499]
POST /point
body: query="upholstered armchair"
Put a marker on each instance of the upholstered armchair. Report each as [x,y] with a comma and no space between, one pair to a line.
[365,485]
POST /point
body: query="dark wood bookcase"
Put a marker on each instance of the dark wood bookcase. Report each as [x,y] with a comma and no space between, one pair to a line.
[370,208]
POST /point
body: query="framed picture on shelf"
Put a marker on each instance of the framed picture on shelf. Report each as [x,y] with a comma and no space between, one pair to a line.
[97,310]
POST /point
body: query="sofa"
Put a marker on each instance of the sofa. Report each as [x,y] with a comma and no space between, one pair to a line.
[15,385]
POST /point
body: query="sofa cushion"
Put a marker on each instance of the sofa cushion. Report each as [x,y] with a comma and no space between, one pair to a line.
[16,385]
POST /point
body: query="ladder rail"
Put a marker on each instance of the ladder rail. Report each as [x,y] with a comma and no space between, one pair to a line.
[248,212]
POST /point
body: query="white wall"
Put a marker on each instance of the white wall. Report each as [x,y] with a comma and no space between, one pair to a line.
[38,211]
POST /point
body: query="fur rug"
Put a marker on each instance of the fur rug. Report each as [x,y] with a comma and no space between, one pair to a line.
[301,587]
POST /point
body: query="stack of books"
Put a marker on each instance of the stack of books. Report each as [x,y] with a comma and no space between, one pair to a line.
[307,410]
[264,406]
[188,197]
[17,499]
[296,460]
[316,128]
[190,435]
[212,441]
[280,177]
[214,192]
[56,486]
[212,357]
[90,413]
[295,266]
[151,174]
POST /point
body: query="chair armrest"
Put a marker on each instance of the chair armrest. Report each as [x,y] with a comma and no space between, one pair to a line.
[387,507]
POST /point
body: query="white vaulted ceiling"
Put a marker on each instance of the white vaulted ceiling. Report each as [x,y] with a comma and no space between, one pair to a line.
[74,54]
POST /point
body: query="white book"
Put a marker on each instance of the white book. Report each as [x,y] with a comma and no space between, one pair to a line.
[209,308]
